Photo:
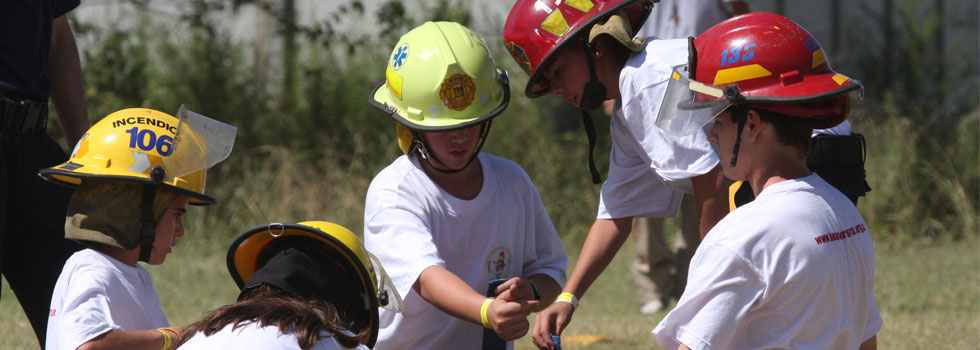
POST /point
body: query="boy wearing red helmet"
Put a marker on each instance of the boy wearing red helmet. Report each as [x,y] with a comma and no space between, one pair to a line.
[795,267]
[585,52]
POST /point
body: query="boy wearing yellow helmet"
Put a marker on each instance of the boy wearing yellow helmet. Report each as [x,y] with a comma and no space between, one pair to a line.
[446,220]
[309,285]
[135,171]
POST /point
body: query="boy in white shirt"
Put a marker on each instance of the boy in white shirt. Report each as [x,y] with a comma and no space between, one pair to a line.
[587,55]
[447,220]
[793,269]
[136,171]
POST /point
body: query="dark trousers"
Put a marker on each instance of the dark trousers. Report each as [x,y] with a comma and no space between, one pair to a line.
[33,248]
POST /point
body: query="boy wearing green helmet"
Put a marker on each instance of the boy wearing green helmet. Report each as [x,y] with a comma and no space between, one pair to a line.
[135,171]
[447,221]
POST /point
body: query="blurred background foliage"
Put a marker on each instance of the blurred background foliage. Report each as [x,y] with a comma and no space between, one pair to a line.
[309,143]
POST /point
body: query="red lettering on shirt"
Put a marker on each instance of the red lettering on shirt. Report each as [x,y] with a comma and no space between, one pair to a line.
[836,236]
[51,312]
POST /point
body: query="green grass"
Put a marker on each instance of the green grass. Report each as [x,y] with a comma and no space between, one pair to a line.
[928,296]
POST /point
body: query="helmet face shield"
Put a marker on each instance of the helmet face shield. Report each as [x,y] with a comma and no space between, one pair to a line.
[388,295]
[200,142]
[689,105]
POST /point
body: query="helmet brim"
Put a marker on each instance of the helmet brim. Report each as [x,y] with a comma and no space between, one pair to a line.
[380,98]
[74,179]
[533,89]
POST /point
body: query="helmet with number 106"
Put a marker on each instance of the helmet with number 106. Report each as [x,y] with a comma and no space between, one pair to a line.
[535,30]
[760,60]
[148,146]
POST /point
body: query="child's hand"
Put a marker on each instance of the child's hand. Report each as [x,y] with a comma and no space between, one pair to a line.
[524,289]
[508,314]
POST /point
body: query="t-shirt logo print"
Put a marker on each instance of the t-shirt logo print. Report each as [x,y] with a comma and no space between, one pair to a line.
[498,263]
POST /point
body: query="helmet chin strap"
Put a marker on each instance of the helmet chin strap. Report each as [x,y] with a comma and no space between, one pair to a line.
[741,114]
[428,157]
[148,228]
[593,94]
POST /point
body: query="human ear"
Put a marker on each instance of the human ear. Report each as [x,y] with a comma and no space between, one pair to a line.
[753,124]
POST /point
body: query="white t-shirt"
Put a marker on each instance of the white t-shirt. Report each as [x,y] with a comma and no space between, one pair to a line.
[96,293]
[844,128]
[793,269]
[411,224]
[650,170]
[679,19]
[252,336]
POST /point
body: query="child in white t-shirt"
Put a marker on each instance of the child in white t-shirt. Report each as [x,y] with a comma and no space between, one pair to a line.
[793,269]
[303,286]
[447,220]
[587,55]
[135,176]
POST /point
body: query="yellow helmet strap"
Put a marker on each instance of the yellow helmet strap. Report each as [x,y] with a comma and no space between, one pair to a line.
[422,146]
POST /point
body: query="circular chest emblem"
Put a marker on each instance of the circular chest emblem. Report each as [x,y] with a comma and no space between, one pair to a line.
[457,91]
[498,263]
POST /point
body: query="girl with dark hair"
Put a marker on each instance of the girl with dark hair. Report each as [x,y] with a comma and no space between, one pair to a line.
[309,286]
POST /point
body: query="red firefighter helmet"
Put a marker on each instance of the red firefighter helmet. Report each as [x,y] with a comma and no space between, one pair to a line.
[762,60]
[536,29]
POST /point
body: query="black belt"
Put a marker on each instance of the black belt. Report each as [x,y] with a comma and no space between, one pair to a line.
[23,116]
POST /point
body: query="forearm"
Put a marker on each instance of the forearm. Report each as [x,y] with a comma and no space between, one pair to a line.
[449,293]
[710,198]
[603,241]
[547,288]
[150,339]
[870,344]
[65,77]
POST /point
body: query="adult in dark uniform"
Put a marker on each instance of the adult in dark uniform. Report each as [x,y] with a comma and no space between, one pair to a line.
[38,60]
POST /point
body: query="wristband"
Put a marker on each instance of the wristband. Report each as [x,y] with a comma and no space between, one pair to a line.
[483,313]
[166,339]
[534,288]
[567,297]
[176,334]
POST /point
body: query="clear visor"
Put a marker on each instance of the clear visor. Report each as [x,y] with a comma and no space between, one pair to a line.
[387,294]
[200,142]
[689,105]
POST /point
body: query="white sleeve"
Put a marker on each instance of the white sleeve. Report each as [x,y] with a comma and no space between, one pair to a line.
[85,312]
[544,252]
[403,242]
[675,158]
[633,189]
[721,288]
[874,320]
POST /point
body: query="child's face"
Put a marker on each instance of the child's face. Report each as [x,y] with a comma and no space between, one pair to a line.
[453,149]
[567,74]
[170,227]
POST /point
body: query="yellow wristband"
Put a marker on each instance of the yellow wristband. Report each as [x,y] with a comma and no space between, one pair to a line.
[567,297]
[483,313]
[166,339]
[176,334]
